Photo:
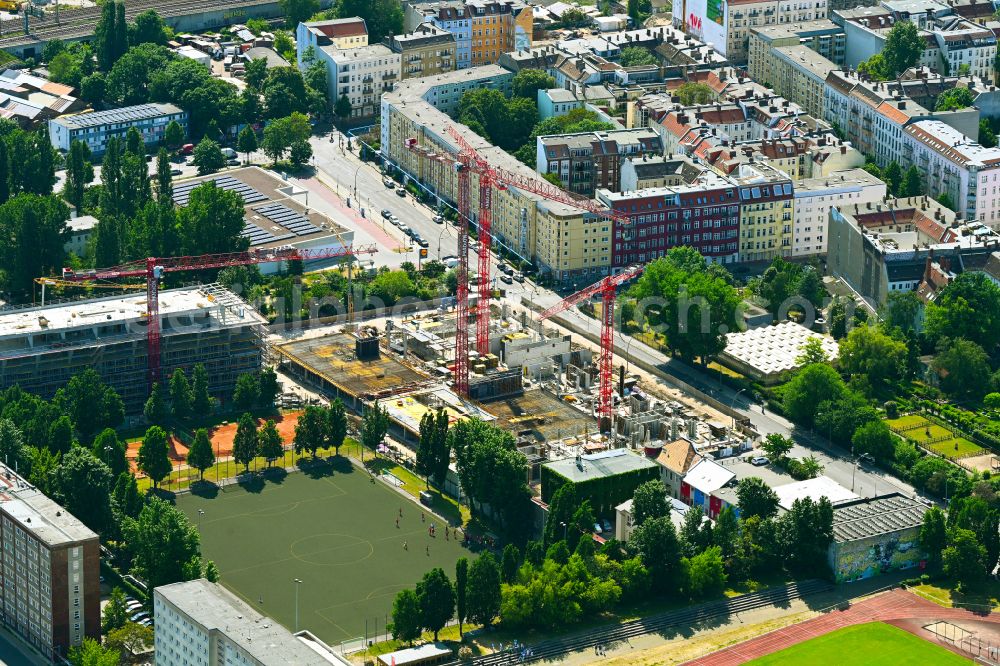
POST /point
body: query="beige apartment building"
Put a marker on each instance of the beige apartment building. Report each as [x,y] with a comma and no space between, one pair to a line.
[426,51]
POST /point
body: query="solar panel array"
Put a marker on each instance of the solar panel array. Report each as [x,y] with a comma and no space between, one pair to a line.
[258,236]
[182,191]
[295,222]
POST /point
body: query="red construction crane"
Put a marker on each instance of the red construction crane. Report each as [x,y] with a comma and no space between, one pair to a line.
[607,289]
[465,162]
[153,268]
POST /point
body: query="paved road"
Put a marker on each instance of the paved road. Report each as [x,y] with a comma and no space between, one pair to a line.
[362,180]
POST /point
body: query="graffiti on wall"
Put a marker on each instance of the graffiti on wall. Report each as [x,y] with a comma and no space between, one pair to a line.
[855,560]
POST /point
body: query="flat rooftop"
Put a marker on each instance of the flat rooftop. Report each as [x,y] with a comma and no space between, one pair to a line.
[128,114]
[332,357]
[871,517]
[49,522]
[600,465]
[814,489]
[539,414]
[219,610]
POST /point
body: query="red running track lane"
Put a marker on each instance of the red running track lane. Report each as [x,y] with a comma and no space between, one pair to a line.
[893,605]
[366,223]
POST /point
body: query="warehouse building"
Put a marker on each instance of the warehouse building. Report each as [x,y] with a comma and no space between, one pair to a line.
[606,479]
[42,348]
[50,572]
[875,535]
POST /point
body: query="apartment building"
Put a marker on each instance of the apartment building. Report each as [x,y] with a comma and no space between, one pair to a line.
[767,212]
[96,128]
[641,173]
[727,25]
[954,164]
[703,213]
[50,572]
[587,161]
[800,76]
[202,623]
[426,51]
[41,348]
[484,29]
[822,36]
[815,197]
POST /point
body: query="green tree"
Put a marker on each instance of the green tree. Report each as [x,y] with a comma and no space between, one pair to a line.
[903,48]
[969,307]
[148,28]
[282,133]
[299,153]
[79,173]
[638,10]
[692,93]
[343,107]
[297,11]
[310,431]
[634,56]
[699,304]
[696,532]
[656,544]
[105,37]
[933,536]
[61,435]
[126,497]
[756,498]
[776,446]
[173,135]
[528,82]
[211,572]
[811,351]
[406,616]
[13,451]
[33,228]
[962,560]
[649,501]
[130,639]
[912,184]
[255,73]
[201,400]
[963,368]
[902,311]
[165,546]
[954,99]
[336,426]
[156,410]
[805,533]
[461,590]
[208,156]
[987,138]
[436,597]
[875,439]
[180,394]
[246,142]
[811,386]
[893,176]
[245,444]
[154,458]
[128,81]
[91,652]
[509,563]
[383,17]
[433,454]
[374,426]
[212,221]
[706,573]
[483,590]
[200,455]
[271,446]
[115,613]
[561,507]
[869,352]
[83,485]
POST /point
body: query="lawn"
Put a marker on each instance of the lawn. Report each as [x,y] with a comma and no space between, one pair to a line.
[906,422]
[330,527]
[956,448]
[986,595]
[927,433]
[872,644]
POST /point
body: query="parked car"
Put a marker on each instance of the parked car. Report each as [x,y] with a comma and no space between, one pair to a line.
[401,191]
[386,213]
[175,172]
[598,529]
[389,182]
[439,219]
[229,153]
[450,261]
[394,220]
[233,162]
[606,524]
[759,461]
[411,233]
[506,279]
[187,149]
[518,277]
[505,269]
[421,242]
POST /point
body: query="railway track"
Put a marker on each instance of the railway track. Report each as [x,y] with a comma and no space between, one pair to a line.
[79,23]
[551,649]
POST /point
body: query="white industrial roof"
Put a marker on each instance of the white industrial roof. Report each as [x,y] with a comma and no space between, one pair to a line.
[814,489]
[708,476]
[428,651]
[775,349]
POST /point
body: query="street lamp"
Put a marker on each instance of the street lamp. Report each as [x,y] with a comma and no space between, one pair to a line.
[441,236]
[297,582]
[733,405]
[356,179]
[564,530]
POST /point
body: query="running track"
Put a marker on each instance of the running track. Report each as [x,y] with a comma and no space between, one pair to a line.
[893,605]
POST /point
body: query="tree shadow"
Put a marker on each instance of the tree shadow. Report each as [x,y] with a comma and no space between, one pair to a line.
[204,488]
[275,474]
[317,468]
[165,495]
[341,465]
[252,483]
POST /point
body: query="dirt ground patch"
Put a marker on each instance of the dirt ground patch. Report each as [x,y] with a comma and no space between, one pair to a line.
[221,437]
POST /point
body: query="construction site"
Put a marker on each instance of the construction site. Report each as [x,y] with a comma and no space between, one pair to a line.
[41,348]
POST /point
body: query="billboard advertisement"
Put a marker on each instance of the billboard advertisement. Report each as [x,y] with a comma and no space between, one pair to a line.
[706,20]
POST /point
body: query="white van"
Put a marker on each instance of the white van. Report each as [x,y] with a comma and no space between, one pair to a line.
[229,153]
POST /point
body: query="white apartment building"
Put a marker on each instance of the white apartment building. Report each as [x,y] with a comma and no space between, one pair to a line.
[95,129]
[955,165]
[814,197]
[199,623]
[50,571]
